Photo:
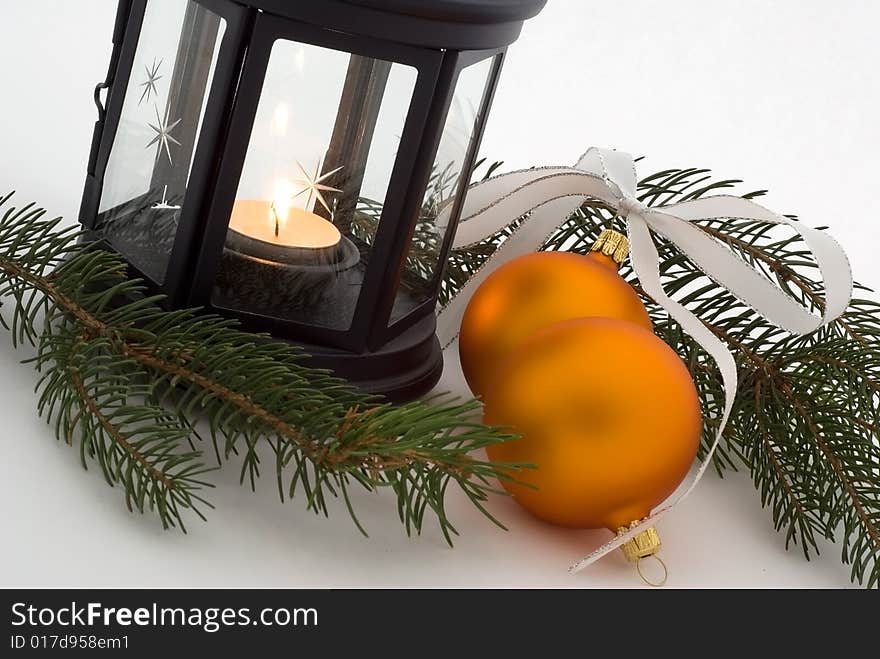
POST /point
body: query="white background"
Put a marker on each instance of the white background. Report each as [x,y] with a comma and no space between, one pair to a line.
[782,94]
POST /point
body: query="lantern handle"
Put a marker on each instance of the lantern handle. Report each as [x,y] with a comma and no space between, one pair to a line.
[123,11]
[102,111]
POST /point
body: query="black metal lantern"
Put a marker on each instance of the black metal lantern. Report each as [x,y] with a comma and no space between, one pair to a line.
[299,164]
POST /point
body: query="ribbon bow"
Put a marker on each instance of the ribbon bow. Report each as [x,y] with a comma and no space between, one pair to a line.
[546,197]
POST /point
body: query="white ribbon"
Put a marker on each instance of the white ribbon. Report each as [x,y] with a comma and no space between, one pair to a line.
[548,196]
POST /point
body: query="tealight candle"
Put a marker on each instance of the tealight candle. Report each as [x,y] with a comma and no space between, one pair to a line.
[271,223]
[285,234]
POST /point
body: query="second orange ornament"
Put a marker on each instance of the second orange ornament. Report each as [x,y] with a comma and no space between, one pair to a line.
[607,413]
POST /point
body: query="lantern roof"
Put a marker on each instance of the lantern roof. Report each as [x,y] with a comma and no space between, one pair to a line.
[452,24]
[459,11]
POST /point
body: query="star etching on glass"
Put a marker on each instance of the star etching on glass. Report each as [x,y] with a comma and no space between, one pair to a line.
[314,185]
[149,85]
[163,135]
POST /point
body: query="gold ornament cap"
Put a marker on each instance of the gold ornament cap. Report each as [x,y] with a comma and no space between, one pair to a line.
[613,244]
[647,543]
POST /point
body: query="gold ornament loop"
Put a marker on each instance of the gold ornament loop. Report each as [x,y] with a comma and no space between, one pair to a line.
[659,582]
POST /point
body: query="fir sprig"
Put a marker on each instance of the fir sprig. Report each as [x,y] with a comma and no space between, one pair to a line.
[131,384]
[807,413]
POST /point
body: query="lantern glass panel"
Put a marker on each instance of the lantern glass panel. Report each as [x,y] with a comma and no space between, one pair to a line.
[313,185]
[422,268]
[165,98]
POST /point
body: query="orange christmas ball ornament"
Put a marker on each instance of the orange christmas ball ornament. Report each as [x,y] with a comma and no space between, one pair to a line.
[608,414]
[537,290]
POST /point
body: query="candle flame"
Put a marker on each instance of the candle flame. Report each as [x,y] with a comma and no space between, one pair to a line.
[280,206]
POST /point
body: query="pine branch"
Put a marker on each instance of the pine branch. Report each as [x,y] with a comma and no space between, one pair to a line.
[804,424]
[130,382]
[806,416]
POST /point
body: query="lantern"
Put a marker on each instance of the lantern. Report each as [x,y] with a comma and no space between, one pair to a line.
[299,164]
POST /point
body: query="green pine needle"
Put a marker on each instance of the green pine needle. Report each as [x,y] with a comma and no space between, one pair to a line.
[129,383]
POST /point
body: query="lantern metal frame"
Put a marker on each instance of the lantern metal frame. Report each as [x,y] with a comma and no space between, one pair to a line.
[400,359]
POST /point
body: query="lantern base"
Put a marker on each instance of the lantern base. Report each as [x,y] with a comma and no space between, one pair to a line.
[403,369]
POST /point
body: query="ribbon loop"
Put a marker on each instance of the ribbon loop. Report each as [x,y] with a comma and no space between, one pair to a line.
[546,197]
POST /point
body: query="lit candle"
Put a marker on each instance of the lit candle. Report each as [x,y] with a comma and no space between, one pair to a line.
[280,253]
[282,225]
[279,231]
